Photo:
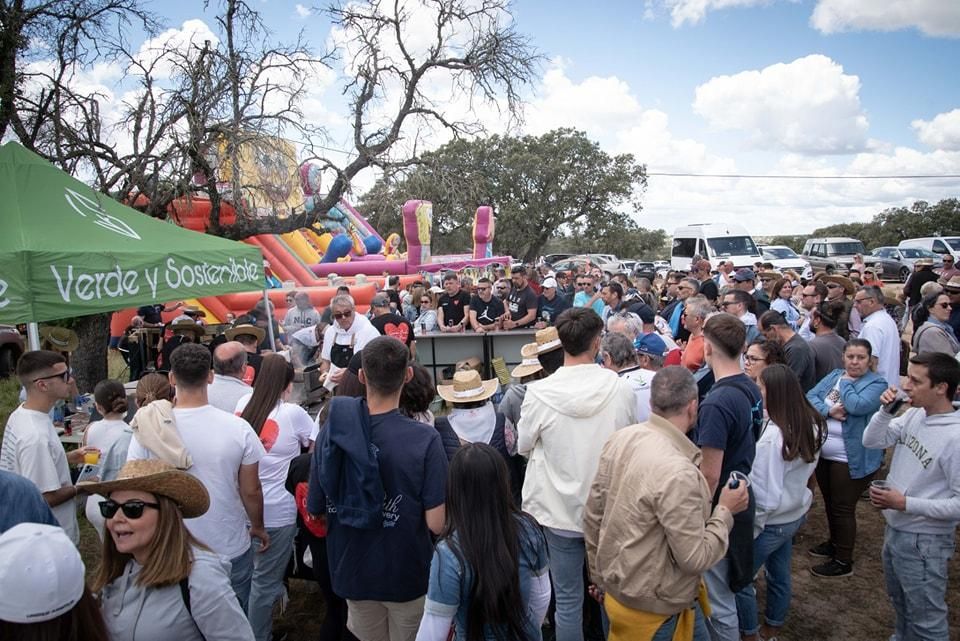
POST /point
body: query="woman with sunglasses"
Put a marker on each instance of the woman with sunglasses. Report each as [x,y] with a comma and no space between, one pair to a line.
[156,582]
[847,398]
[760,354]
[786,456]
[934,333]
[284,428]
[782,294]
[427,320]
[489,576]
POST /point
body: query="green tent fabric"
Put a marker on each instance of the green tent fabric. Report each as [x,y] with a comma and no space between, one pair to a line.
[67,250]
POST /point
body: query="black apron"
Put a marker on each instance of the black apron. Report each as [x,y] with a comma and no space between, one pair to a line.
[340,355]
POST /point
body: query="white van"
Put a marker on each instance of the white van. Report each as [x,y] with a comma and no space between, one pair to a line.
[937,244]
[715,242]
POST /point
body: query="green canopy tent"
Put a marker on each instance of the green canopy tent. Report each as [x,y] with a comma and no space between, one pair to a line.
[67,250]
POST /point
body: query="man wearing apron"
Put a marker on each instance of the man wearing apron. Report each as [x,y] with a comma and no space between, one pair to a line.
[348,333]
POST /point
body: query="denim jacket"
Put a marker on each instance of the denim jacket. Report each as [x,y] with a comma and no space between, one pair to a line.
[861,399]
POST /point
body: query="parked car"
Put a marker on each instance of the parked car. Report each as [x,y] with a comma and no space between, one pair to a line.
[784,258]
[11,347]
[550,259]
[937,244]
[570,264]
[644,270]
[628,265]
[896,263]
[834,254]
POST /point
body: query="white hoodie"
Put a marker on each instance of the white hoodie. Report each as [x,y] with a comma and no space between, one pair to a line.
[564,422]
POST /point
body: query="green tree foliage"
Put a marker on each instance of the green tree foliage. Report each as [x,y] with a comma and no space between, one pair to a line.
[557,184]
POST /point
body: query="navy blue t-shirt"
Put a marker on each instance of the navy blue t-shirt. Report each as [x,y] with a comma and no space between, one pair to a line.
[730,419]
[392,563]
[548,310]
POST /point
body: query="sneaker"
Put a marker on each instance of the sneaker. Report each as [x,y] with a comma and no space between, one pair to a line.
[824,551]
[832,569]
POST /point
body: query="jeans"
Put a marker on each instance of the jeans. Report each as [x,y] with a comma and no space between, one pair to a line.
[840,497]
[773,549]
[266,585]
[241,570]
[700,633]
[915,570]
[567,556]
[723,602]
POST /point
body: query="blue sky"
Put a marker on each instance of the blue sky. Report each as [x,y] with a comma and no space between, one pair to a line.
[825,87]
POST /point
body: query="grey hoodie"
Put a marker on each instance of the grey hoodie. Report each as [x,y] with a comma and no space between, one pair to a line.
[925,467]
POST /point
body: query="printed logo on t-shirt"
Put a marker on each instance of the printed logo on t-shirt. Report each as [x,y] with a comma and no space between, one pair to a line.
[269,433]
[391,511]
[401,332]
[249,374]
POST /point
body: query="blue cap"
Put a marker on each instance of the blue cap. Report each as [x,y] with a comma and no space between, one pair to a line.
[744,275]
[650,344]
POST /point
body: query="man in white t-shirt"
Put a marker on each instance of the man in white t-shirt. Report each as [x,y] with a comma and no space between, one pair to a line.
[226,454]
[881,331]
[30,445]
[229,366]
[348,333]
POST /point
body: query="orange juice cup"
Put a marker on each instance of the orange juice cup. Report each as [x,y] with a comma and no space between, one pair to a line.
[92,457]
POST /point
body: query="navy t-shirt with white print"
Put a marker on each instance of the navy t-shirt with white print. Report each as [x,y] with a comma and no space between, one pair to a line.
[392,563]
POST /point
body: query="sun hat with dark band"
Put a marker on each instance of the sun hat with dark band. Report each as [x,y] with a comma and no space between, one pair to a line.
[843,281]
[529,363]
[188,326]
[161,478]
[468,387]
[61,339]
[246,330]
[547,340]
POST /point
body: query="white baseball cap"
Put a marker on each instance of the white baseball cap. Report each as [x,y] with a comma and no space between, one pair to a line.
[549,283]
[41,573]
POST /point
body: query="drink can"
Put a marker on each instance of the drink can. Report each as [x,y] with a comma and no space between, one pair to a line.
[67,427]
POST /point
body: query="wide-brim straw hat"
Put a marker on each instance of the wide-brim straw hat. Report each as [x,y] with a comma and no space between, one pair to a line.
[769,275]
[547,340]
[890,296]
[193,310]
[953,283]
[160,478]
[246,330]
[923,262]
[529,363]
[61,339]
[187,326]
[468,387]
[843,281]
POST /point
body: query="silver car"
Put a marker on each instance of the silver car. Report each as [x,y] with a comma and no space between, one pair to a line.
[896,263]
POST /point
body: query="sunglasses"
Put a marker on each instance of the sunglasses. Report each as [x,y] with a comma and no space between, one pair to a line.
[944,305]
[727,303]
[131,509]
[64,376]
[425,300]
[342,315]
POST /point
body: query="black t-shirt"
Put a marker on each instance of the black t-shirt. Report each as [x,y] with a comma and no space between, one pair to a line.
[709,289]
[454,307]
[519,302]
[151,314]
[730,419]
[548,310]
[396,326]
[487,312]
[394,297]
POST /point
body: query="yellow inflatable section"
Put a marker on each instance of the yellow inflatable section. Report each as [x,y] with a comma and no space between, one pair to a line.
[322,241]
[301,247]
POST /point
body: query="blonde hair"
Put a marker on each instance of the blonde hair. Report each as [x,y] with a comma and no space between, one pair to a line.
[171,556]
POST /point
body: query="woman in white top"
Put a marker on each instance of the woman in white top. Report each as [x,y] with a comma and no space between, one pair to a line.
[284,428]
[786,457]
[111,436]
[783,302]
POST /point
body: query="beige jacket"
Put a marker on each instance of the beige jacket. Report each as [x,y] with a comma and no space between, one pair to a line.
[156,429]
[648,526]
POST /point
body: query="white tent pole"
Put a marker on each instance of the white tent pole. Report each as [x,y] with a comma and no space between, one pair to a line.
[266,304]
[33,336]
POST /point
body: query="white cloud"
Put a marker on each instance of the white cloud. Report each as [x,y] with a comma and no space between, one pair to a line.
[932,17]
[807,106]
[170,48]
[302,11]
[943,132]
[694,11]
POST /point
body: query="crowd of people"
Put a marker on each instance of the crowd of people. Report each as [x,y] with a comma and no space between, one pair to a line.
[659,444]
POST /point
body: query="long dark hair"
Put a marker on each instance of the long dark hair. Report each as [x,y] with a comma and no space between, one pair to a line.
[483,529]
[788,407]
[274,377]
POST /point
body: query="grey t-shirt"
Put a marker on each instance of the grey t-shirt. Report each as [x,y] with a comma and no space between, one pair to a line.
[800,359]
[827,353]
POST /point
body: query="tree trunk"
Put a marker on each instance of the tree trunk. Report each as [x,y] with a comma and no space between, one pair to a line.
[89,362]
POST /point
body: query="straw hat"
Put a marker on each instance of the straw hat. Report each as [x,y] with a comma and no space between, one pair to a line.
[547,340]
[769,276]
[60,338]
[953,283]
[843,281]
[193,310]
[157,477]
[468,387]
[245,329]
[923,262]
[529,363]
[890,296]
[188,326]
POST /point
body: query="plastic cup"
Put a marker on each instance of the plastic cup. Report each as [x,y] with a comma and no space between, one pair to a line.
[91,458]
[881,484]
